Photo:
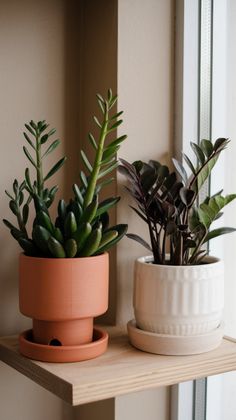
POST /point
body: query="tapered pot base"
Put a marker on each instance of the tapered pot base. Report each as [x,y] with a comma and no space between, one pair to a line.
[173,345]
[61,354]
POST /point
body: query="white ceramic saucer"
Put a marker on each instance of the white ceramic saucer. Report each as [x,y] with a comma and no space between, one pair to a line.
[173,345]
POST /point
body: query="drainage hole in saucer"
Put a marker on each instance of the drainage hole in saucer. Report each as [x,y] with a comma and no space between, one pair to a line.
[54,342]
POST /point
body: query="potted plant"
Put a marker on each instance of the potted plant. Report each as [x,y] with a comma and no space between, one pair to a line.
[178,290]
[63,270]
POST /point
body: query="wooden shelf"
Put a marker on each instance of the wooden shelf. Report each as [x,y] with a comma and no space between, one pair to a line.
[121,370]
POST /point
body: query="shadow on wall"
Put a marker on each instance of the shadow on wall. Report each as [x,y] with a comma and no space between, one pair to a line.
[90,68]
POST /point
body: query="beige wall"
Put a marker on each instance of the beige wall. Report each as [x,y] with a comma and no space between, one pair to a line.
[32,85]
[54,56]
[145,86]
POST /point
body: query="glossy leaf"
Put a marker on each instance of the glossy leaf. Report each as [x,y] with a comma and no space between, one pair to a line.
[92,243]
[105,205]
[55,168]
[140,240]
[97,122]
[28,155]
[92,141]
[219,143]
[108,170]
[207,147]
[78,194]
[71,248]
[83,179]
[204,173]
[121,229]
[198,152]
[56,248]
[8,224]
[28,140]
[25,213]
[86,161]
[180,169]
[189,163]
[52,147]
[70,226]
[218,232]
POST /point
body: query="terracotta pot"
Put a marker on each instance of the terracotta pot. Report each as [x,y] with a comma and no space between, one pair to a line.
[62,296]
[178,300]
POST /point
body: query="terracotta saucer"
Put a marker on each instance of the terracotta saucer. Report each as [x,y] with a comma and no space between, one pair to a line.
[173,345]
[61,354]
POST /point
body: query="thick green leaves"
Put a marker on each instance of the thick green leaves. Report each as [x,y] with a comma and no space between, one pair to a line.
[8,224]
[90,212]
[71,248]
[40,237]
[92,243]
[218,232]
[86,161]
[198,152]
[207,147]
[108,170]
[121,229]
[28,246]
[56,248]
[57,233]
[83,179]
[78,194]
[44,220]
[82,234]
[70,226]
[207,213]
[105,205]
[204,173]
[189,163]
[80,225]
[140,240]
[92,141]
[220,144]
[107,238]
[55,168]
[29,141]
[13,207]
[52,147]
[180,169]
[28,155]
[62,209]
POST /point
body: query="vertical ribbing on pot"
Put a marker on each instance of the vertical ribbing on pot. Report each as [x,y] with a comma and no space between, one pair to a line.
[178,300]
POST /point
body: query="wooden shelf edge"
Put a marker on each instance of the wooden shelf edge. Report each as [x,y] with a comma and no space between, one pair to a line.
[34,370]
[121,370]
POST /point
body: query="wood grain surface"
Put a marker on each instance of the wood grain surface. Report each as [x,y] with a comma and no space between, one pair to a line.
[121,370]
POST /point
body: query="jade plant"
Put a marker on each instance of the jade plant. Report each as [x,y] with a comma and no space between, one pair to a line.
[81,227]
[169,203]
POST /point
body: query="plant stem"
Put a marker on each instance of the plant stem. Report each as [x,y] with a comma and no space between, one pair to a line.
[197,249]
[39,166]
[98,158]
[164,246]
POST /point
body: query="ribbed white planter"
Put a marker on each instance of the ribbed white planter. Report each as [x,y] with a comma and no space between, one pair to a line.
[178,300]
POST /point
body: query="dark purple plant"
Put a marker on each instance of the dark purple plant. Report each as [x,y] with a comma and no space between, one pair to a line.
[168,202]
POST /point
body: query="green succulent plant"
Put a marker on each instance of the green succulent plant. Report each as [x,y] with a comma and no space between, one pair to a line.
[81,228]
[168,202]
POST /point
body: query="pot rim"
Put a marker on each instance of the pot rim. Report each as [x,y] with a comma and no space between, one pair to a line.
[26,257]
[210,261]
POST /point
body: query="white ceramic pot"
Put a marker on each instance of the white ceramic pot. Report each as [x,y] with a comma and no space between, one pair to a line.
[178,300]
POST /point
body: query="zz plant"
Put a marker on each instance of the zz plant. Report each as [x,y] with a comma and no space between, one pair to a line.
[169,203]
[81,228]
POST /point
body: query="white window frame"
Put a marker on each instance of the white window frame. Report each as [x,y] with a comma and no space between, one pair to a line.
[200,400]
